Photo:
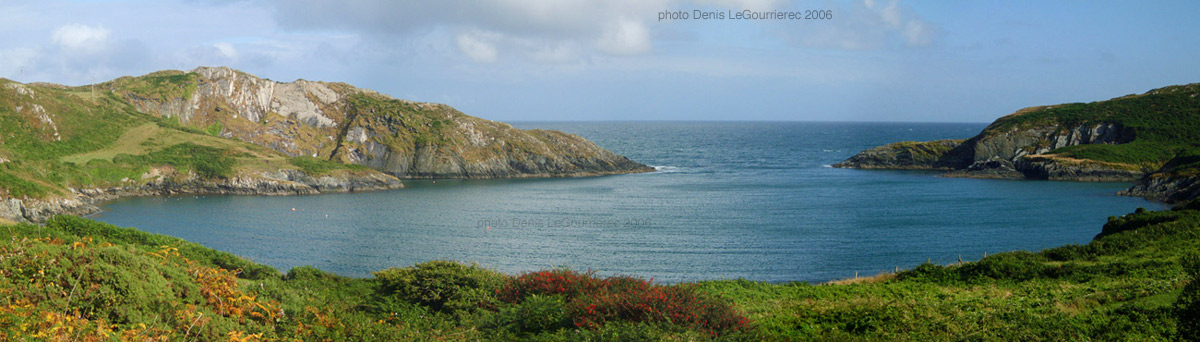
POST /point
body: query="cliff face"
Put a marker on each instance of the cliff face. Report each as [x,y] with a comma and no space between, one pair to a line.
[1139,138]
[338,122]
[1023,152]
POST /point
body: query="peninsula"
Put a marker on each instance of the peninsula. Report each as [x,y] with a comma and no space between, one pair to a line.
[222,131]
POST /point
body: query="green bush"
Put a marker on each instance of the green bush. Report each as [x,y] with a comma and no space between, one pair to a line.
[1069,252]
[1018,266]
[444,286]
[1187,307]
[534,315]
[929,273]
[1192,205]
[1138,219]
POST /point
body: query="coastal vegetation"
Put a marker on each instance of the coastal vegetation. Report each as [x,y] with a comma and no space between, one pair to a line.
[76,279]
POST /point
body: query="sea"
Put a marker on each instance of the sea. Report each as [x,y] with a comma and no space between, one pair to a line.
[729,200]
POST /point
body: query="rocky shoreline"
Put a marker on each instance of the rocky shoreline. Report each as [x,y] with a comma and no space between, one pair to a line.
[283,182]
[978,157]
[279,183]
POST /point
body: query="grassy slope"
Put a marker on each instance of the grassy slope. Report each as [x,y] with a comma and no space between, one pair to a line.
[1165,122]
[75,278]
[102,141]
[410,124]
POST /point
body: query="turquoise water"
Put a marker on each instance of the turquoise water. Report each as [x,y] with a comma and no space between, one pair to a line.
[731,200]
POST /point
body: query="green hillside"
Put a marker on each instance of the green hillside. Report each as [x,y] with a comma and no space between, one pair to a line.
[341,123]
[1157,126]
[53,138]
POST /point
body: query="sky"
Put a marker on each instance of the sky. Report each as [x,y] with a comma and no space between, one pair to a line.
[552,60]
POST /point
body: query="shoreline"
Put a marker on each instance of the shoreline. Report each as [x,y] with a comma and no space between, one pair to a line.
[284,182]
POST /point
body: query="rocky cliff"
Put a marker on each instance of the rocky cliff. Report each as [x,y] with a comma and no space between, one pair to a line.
[1130,138]
[341,123]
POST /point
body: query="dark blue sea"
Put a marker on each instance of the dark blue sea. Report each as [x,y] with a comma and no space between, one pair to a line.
[753,200]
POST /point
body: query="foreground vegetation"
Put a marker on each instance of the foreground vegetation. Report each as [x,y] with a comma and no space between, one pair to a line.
[76,279]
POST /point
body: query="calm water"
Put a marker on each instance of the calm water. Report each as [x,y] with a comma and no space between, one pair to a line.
[748,200]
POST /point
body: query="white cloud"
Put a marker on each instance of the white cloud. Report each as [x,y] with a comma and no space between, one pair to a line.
[754,5]
[227,50]
[625,37]
[919,33]
[555,53]
[558,31]
[868,25]
[473,45]
[548,31]
[81,37]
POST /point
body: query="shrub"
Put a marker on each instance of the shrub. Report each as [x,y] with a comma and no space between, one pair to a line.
[1187,307]
[1138,219]
[1192,205]
[593,302]
[1068,252]
[534,315]
[444,286]
[930,273]
[1017,266]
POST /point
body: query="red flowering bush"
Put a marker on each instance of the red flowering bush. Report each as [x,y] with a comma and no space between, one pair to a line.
[591,302]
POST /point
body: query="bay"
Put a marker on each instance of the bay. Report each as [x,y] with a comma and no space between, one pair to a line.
[753,200]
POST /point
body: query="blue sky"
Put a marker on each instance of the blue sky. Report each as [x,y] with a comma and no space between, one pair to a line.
[509,60]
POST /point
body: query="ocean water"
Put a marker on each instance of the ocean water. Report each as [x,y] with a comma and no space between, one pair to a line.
[754,200]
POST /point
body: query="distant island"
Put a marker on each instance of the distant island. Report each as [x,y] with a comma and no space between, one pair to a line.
[1151,138]
[222,131]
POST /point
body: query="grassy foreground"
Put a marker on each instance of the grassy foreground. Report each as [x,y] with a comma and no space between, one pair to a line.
[76,279]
